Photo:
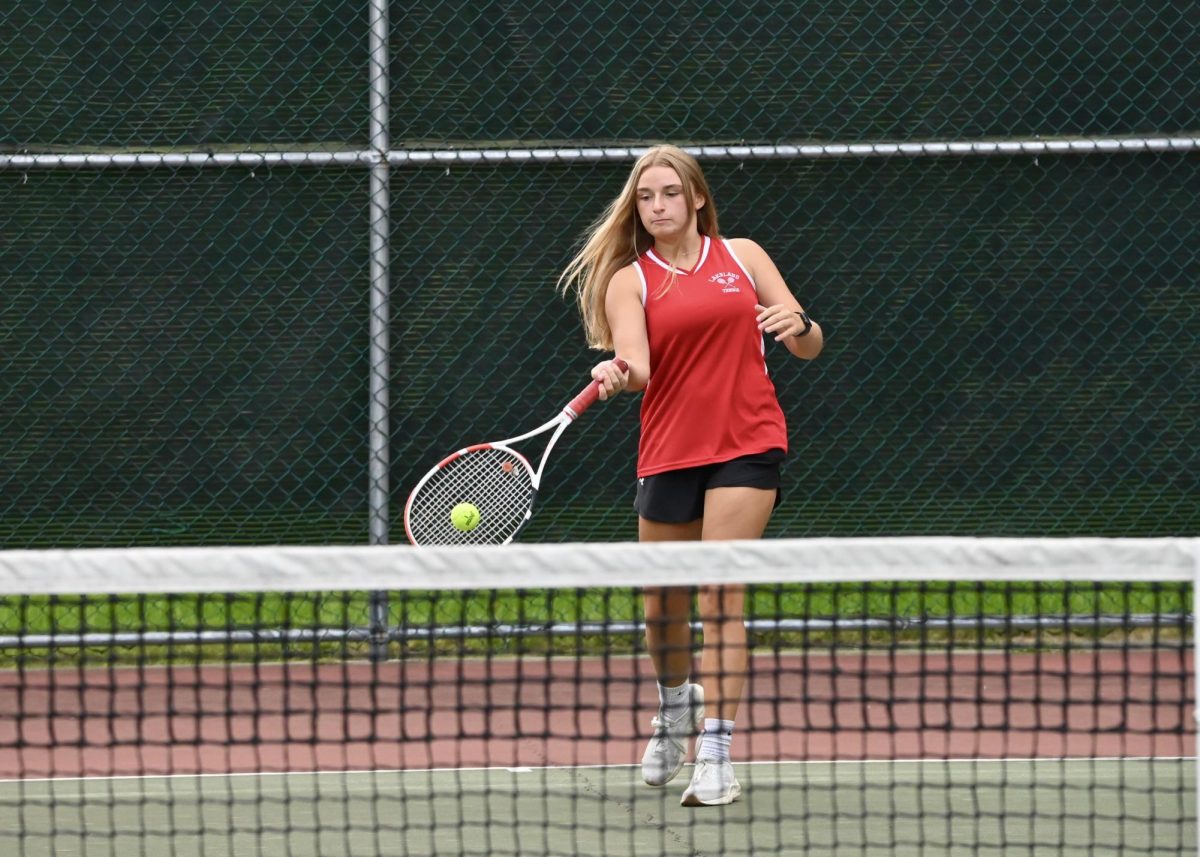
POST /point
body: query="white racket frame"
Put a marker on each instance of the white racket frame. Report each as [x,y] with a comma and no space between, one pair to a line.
[572,411]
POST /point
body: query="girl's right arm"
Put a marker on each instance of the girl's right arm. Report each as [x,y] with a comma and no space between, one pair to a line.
[627,321]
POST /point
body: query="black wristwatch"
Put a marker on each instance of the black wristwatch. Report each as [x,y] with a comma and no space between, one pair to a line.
[807,324]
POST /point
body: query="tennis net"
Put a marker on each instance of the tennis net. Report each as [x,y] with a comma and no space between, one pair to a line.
[910,696]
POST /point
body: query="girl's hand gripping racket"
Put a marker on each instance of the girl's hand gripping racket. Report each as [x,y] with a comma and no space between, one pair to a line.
[483,494]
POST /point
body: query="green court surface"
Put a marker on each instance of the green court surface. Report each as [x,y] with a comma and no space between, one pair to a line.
[1035,808]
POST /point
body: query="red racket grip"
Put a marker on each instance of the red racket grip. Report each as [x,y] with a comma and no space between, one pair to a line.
[589,394]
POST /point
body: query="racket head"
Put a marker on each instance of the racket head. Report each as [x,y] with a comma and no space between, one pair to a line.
[498,480]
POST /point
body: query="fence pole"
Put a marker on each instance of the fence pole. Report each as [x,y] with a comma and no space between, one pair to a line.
[380,310]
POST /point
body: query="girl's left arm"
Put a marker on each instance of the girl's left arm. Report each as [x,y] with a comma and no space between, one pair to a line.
[779,313]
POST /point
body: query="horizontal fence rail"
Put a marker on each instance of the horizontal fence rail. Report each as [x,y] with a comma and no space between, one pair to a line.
[424,157]
[400,634]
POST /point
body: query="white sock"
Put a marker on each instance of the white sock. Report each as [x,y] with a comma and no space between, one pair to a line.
[715,740]
[675,699]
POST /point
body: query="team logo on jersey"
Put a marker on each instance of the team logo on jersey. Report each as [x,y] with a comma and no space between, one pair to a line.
[727,280]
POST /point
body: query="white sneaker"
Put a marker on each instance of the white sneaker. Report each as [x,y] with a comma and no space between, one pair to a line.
[713,784]
[668,749]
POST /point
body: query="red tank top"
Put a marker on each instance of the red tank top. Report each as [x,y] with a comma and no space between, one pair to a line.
[709,398]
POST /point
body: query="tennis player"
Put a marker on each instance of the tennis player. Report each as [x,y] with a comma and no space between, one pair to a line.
[688,310]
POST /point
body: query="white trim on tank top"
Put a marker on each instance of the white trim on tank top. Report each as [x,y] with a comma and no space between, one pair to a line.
[740,264]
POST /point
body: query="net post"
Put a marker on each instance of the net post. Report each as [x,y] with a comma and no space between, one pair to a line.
[1195,543]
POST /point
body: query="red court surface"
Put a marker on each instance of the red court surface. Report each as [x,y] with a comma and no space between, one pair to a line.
[537,711]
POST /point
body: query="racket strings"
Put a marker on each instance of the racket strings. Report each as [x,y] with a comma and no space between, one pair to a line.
[497,481]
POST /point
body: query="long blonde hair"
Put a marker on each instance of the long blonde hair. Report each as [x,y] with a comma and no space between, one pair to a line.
[618,237]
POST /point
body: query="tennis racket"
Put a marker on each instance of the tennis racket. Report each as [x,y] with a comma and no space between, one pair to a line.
[498,482]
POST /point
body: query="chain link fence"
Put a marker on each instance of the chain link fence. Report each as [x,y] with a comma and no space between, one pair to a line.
[244,303]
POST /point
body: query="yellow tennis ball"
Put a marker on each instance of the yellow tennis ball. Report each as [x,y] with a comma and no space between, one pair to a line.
[465,517]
